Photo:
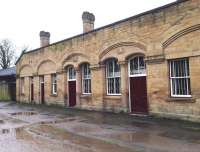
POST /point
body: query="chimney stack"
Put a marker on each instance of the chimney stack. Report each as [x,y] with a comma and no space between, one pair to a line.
[88,21]
[44,38]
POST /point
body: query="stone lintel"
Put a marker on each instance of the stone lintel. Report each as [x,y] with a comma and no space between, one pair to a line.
[155,59]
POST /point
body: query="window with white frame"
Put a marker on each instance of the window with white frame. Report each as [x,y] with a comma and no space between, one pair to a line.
[86,79]
[22,85]
[137,66]
[54,83]
[180,78]
[113,77]
[71,74]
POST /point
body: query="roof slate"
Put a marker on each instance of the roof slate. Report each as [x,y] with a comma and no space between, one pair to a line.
[8,72]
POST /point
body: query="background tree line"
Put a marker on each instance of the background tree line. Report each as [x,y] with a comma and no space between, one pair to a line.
[8,54]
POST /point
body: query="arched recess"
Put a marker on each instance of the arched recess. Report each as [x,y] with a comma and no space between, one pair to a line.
[46,67]
[184,43]
[179,34]
[26,70]
[121,50]
[74,59]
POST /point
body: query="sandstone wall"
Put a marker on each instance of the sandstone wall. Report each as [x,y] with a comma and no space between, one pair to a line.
[168,33]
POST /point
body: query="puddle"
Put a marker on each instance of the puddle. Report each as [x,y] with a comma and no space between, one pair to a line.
[85,129]
[126,137]
[11,133]
[5,131]
[57,121]
[191,136]
[91,143]
[26,113]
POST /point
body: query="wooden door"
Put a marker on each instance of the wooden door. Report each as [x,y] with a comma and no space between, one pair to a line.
[42,93]
[72,93]
[32,92]
[138,95]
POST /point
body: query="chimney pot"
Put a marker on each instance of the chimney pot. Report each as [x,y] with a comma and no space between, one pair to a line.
[88,21]
[44,38]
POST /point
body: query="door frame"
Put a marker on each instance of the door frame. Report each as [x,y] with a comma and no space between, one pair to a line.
[68,103]
[129,76]
[31,91]
[70,79]
[41,81]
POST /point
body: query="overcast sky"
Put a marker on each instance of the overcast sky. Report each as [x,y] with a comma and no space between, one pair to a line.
[21,20]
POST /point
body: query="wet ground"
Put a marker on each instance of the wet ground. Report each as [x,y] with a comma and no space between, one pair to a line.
[33,128]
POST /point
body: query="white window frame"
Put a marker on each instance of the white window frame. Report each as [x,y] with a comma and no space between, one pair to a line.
[187,77]
[113,76]
[22,85]
[86,77]
[140,71]
[71,73]
[31,81]
[54,84]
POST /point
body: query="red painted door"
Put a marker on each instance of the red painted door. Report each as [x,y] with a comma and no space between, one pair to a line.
[42,93]
[32,92]
[72,93]
[138,95]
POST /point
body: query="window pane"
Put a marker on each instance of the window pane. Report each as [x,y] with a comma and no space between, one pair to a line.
[113,76]
[137,66]
[179,73]
[111,85]
[71,73]
[86,78]
[117,85]
[55,88]
[110,70]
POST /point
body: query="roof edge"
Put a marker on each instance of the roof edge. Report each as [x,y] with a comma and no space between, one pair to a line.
[106,26]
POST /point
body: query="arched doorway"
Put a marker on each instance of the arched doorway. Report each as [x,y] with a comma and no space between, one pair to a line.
[71,86]
[137,85]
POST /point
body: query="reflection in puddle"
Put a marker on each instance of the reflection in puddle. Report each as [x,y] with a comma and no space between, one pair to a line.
[84,129]
[11,133]
[131,137]
[92,144]
[5,131]
[26,113]
[57,121]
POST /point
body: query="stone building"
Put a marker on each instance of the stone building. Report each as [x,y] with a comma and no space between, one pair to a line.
[146,64]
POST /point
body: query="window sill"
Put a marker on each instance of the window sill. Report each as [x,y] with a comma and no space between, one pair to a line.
[181,99]
[86,96]
[112,97]
[54,95]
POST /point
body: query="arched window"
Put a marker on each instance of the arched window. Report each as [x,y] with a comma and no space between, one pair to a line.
[137,66]
[113,77]
[71,74]
[86,78]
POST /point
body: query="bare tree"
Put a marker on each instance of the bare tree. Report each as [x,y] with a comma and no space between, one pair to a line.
[24,49]
[7,53]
